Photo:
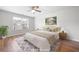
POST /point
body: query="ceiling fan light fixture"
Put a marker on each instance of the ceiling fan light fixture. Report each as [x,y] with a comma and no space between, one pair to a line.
[33,11]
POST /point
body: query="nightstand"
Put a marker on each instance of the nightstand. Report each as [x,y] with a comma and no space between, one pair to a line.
[63,35]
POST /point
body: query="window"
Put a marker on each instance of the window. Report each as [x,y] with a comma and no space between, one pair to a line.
[20,23]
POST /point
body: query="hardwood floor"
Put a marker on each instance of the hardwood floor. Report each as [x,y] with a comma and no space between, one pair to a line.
[9,45]
[68,46]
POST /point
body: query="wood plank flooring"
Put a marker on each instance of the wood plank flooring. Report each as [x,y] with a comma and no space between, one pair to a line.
[9,45]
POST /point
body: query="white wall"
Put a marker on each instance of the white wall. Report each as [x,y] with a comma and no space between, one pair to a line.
[67,18]
[39,21]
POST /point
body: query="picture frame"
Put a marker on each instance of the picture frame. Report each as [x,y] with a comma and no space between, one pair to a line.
[51,20]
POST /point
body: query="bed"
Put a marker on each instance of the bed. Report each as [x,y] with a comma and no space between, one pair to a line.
[42,39]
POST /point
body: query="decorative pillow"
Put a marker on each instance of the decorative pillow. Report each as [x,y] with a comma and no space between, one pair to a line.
[52,28]
[57,29]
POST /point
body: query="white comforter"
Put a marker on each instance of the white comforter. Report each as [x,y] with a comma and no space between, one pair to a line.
[40,42]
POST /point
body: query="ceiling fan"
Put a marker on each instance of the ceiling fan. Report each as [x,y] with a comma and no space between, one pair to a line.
[35,9]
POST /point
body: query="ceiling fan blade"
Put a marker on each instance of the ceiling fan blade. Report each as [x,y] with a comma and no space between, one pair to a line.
[38,10]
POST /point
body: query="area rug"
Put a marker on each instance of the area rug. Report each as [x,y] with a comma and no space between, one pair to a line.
[25,45]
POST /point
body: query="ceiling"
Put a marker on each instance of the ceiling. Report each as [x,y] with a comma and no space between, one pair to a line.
[24,9]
